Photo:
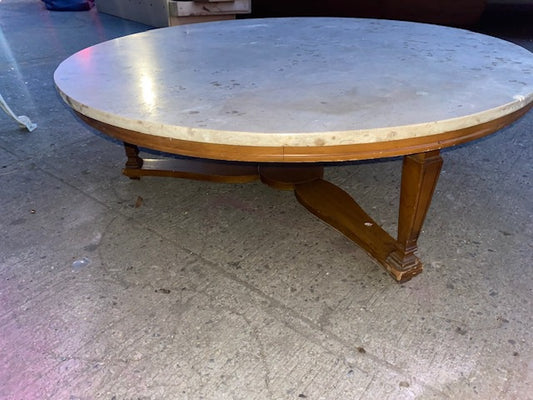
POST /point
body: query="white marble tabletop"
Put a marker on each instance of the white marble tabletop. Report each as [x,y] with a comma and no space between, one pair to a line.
[298,81]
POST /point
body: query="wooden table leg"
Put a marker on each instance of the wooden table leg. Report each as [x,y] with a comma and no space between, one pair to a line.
[134,162]
[420,174]
[336,207]
[188,168]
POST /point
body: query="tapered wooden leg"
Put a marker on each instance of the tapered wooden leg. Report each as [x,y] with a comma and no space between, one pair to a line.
[336,207]
[420,173]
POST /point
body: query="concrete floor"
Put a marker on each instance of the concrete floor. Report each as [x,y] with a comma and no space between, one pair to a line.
[215,291]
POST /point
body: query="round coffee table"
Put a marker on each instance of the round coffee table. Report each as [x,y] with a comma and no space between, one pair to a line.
[277,99]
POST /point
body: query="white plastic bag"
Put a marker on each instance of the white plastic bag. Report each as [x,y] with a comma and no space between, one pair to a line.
[21,119]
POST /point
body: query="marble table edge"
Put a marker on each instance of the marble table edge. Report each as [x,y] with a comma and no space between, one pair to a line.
[298,139]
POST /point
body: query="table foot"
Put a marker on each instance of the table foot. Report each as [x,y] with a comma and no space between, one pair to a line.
[403,268]
[189,168]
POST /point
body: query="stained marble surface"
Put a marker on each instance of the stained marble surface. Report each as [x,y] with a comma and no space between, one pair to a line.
[299,81]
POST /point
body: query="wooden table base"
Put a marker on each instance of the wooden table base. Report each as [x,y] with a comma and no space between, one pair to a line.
[328,202]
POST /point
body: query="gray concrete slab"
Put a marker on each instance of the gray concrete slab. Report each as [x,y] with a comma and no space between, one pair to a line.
[213,291]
